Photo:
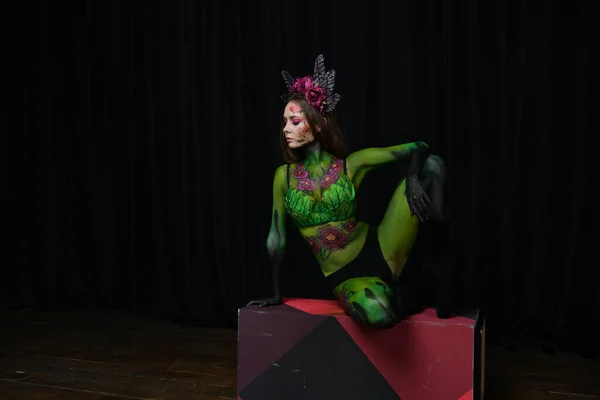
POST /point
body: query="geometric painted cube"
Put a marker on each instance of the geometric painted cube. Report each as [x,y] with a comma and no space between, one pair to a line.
[310,349]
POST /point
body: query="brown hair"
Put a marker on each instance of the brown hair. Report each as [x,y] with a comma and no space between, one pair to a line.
[329,137]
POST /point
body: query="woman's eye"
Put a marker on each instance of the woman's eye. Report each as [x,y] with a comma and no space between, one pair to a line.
[296,122]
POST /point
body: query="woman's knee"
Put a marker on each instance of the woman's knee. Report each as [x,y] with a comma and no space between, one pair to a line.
[433,173]
[373,311]
[434,167]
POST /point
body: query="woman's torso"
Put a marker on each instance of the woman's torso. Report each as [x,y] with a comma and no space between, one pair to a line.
[321,200]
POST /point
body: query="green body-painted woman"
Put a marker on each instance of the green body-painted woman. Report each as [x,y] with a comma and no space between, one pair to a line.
[317,188]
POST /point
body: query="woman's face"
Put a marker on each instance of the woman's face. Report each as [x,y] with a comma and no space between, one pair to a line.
[296,130]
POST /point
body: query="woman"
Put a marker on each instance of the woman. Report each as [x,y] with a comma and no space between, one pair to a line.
[317,187]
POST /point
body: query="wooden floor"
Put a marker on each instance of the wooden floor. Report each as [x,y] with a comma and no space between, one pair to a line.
[111,356]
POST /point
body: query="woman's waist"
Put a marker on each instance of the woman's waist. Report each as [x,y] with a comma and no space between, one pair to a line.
[312,219]
[344,227]
[335,243]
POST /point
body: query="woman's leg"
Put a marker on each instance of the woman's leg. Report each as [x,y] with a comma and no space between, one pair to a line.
[398,229]
[368,300]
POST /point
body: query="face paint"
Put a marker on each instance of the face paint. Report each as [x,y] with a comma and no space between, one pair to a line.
[305,132]
[296,129]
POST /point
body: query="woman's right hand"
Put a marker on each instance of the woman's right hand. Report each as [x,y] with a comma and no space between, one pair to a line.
[271,301]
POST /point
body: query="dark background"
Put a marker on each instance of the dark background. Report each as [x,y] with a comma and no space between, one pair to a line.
[139,175]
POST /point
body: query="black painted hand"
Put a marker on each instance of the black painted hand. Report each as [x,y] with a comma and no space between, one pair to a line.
[271,301]
[418,201]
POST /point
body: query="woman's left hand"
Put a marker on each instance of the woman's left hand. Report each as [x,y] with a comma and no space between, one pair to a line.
[418,201]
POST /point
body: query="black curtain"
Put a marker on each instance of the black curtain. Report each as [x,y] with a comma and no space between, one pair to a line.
[139,175]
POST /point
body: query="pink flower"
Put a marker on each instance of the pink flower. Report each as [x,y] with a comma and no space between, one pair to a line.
[314,244]
[301,85]
[300,173]
[313,94]
[336,165]
[350,226]
[332,238]
[315,97]
[306,184]
[328,179]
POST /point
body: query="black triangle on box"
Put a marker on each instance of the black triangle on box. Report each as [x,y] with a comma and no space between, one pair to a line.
[273,330]
[326,364]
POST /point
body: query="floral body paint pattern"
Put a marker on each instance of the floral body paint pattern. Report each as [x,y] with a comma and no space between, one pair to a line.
[332,238]
[332,200]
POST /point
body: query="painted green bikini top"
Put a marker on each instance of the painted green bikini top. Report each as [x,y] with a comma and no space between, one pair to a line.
[337,202]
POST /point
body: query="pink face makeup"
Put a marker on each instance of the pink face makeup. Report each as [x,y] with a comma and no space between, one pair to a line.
[296,130]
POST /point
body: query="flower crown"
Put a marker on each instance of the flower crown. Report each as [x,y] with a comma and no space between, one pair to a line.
[317,89]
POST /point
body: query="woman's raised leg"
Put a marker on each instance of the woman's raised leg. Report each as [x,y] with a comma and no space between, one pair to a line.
[398,229]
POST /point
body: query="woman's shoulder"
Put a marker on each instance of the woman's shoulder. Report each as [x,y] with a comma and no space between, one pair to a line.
[281,173]
[282,169]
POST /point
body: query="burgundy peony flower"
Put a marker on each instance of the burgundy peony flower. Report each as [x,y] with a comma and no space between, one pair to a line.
[301,85]
[314,244]
[350,226]
[315,97]
[332,238]
[336,165]
[300,173]
[314,94]
[306,184]
[328,179]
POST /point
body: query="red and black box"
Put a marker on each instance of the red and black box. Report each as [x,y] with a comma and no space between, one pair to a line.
[310,349]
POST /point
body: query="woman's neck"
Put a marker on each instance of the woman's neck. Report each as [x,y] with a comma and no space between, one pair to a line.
[314,153]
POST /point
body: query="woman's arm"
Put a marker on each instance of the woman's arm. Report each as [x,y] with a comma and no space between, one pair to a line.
[277,236]
[361,162]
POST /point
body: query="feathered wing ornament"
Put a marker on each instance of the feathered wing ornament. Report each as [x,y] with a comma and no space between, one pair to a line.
[332,102]
[321,78]
[329,82]
[319,71]
[288,79]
